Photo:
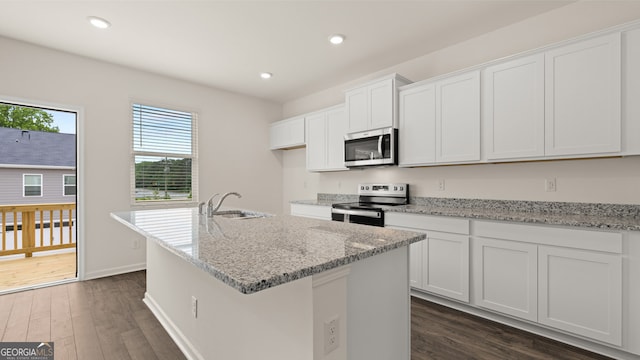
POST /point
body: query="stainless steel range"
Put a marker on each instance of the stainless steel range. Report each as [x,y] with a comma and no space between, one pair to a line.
[373,200]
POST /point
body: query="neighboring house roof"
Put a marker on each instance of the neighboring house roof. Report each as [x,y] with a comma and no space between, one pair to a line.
[36,148]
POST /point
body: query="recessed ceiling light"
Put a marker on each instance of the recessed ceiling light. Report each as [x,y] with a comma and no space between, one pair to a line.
[336,39]
[100,23]
[266,75]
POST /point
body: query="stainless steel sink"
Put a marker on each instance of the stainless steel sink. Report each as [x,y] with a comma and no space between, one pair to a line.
[239,214]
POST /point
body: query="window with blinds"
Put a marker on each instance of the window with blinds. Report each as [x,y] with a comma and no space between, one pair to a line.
[164,162]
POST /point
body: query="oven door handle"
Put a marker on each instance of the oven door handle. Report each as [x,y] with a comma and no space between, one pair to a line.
[363,213]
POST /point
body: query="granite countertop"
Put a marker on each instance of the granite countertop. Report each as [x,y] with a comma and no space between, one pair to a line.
[586,215]
[255,254]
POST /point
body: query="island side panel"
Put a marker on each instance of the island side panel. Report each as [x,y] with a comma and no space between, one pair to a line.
[276,323]
[378,307]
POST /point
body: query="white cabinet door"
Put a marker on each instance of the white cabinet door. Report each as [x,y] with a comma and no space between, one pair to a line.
[581,292]
[336,123]
[513,98]
[445,266]
[325,140]
[631,92]
[505,277]
[357,104]
[417,126]
[381,100]
[277,135]
[582,97]
[316,142]
[415,264]
[458,118]
[287,133]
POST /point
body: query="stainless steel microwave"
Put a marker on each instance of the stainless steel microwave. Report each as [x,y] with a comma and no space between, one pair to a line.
[371,148]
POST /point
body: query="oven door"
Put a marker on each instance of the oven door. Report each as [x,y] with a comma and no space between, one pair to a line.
[375,147]
[357,216]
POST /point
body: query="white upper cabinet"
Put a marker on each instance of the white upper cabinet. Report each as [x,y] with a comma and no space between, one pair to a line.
[325,139]
[513,102]
[440,121]
[631,92]
[287,133]
[357,110]
[583,97]
[336,123]
[417,126]
[382,97]
[316,141]
[373,105]
[458,118]
[562,103]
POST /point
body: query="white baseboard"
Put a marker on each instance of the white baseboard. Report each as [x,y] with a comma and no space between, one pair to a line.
[114,271]
[178,337]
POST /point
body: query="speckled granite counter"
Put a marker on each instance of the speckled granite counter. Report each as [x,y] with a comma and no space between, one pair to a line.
[588,215]
[255,254]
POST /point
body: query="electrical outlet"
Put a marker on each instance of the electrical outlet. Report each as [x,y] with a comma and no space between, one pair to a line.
[441,185]
[550,185]
[194,307]
[331,335]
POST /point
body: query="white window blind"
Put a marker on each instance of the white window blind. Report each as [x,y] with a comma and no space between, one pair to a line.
[164,161]
[68,185]
[32,184]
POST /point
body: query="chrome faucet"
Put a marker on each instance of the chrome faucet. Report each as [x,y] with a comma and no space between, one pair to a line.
[211,210]
[210,204]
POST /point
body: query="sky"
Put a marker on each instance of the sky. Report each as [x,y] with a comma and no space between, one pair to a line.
[65,121]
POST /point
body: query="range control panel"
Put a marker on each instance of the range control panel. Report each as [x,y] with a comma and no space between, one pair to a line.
[393,190]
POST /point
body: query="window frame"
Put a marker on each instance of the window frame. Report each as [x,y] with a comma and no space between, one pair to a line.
[193,156]
[24,185]
[64,186]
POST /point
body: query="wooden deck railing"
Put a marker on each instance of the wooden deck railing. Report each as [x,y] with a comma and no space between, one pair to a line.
[26,224]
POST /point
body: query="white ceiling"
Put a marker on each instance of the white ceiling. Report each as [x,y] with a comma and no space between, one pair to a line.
[227,44]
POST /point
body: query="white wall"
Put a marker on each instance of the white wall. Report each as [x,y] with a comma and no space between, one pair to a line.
[233,145]
[601,180]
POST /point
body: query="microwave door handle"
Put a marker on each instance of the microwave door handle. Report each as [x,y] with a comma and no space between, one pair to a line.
[380,146]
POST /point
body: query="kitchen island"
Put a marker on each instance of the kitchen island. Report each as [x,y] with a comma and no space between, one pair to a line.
[276,287]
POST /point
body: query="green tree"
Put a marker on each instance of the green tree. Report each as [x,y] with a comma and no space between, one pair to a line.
[26,118]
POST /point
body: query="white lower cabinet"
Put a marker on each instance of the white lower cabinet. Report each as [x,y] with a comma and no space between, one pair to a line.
[445,268]
[415,264]
[506,277]
[440,263]
[311,211]
[581,292]
[567,279]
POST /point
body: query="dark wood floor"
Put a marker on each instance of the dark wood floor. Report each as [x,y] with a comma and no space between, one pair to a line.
[97,319]
[438,332]
[106,319]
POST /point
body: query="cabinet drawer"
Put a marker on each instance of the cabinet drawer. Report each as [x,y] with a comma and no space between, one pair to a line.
[546,235]
[311,211]
[427,222]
